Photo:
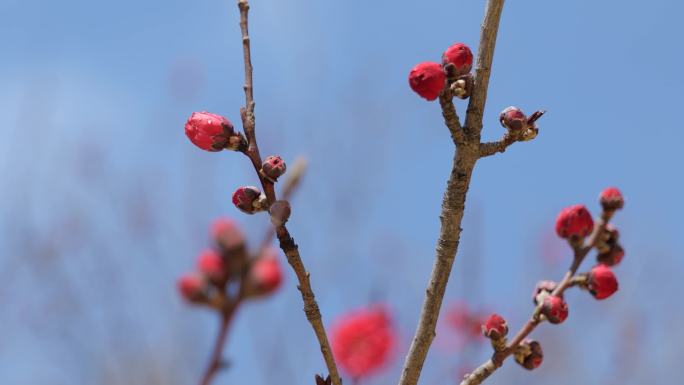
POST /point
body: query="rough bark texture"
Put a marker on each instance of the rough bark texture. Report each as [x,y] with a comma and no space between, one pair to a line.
[467,140]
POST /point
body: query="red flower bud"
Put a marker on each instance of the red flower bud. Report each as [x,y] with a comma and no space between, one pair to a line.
[513,119]
[613,256]
[362,341]
[555,309]
[227,234]
[273,167]
[427,79]
[602,282]
[191,286]
[246,198]
[209,131]
[529,354]
[210,263]
[495,327]
[265,274]
[574,221]
[611,199]
[543,289]
[460,56]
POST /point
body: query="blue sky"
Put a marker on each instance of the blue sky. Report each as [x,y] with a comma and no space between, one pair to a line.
[94,163]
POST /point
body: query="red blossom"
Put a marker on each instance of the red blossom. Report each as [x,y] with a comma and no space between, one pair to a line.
[602,282]
[210,263]
[245,198]
[460,56]
[273,167]
[555,309]
[611,199]
[427,79]
[362,340]
[513,119]
[266,274]
[227,234]
[466,322]
[210,132]
[574,221]
[191,286]
[495,327]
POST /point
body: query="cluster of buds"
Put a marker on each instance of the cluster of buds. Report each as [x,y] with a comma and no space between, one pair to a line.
[574,224]
[212,132]
[610,250]
[228,262]
[519,126]
[429,79]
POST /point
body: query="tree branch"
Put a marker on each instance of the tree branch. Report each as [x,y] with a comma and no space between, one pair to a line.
[453,203]
[446,101]
[491,148]
[287,243]
[313,314]
[215,361]
[485,57]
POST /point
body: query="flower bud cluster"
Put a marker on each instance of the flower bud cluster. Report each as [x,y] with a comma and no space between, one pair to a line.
[429,79]
[217,268]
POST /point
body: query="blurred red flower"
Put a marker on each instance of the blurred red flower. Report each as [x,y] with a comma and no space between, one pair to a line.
[362,340]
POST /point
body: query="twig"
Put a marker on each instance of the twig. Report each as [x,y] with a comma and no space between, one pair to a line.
[287,243]
[491,148]
[446,101]
[215,361]
[580,252]
[313,314]
[453,203]
[485,57]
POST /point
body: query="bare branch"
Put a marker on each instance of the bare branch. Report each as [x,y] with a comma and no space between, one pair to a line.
[485,57]
[287,243]
[450,117]
[216,359]
[453,202]
[491,148]
[311,309]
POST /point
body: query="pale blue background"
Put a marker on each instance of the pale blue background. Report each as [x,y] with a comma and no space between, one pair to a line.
[104,202]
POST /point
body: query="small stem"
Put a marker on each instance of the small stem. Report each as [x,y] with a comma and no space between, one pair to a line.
[217,352]
[450,117]
[243,5]
[313,313]
[485,58]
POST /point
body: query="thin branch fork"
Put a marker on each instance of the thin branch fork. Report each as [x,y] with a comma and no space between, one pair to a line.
[580,252]
[287,243]
[467,153]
